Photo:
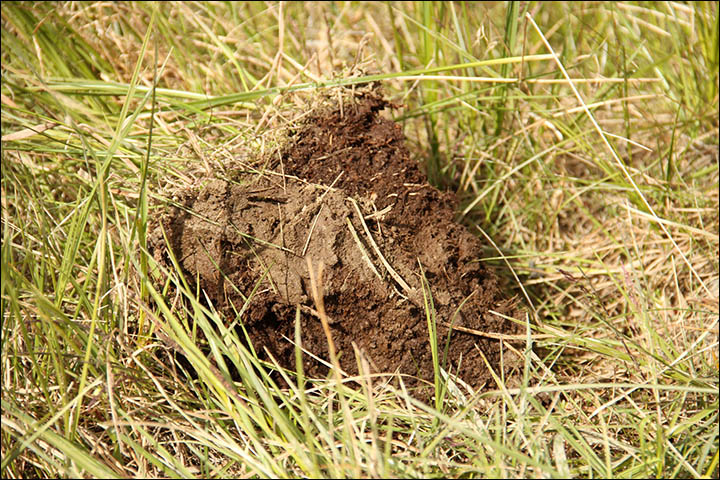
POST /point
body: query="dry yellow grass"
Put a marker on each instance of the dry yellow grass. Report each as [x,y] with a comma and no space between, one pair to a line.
[613,247]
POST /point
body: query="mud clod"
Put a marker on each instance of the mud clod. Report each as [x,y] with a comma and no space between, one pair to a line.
[254,233]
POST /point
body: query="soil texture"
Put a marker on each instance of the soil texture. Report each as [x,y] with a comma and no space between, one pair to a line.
[351,197]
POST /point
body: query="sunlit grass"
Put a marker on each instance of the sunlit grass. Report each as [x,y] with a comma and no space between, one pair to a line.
[590,161]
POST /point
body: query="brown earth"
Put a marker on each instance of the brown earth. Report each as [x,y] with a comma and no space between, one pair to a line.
[349,195]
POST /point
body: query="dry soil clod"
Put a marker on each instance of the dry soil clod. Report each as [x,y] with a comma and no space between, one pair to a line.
[257,225]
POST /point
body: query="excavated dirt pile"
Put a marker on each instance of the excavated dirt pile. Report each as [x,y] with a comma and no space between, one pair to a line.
[351,197]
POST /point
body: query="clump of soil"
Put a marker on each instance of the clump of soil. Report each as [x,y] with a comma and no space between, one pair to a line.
[351,197]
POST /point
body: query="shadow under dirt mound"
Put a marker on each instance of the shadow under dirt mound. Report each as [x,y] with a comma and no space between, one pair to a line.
[373,229]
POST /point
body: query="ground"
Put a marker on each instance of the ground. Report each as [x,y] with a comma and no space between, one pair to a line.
[246,241]
[579,141]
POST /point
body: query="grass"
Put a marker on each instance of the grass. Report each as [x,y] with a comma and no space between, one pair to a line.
[581,139]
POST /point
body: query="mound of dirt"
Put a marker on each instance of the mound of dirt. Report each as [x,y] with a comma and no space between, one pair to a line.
[352,198]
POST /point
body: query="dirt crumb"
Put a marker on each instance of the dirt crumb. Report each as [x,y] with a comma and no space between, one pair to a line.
[253,234]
